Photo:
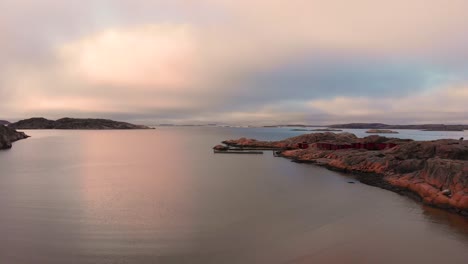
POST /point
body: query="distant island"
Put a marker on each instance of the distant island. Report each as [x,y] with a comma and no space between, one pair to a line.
[425,127]
[327,130]
[318,129]
[73,123]
[294,125]
[381,131]
[9,135]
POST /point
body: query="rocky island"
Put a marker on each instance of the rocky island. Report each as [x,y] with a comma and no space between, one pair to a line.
[318,129]
[299,129]
[381,131]
[9,135]
[434,172]
[326,130]
[73,123]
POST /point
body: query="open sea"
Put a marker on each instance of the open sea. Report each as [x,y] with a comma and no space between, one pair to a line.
[162,196]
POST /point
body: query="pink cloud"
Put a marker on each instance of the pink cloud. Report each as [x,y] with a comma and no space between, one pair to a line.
[442,105]
[194,56]
[150,56]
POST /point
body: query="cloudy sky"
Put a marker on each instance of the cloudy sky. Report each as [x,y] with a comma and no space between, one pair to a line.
[235,61]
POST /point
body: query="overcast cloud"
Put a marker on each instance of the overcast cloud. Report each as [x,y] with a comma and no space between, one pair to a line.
[240,62]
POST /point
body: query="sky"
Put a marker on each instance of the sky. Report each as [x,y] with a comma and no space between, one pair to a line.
[252,62]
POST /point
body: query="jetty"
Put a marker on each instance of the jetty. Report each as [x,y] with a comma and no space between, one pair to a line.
[228,149]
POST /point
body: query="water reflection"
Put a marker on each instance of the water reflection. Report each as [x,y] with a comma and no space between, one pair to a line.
[162,196]
[448,223]
[39,201]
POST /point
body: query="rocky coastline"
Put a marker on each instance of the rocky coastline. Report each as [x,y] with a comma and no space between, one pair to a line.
[8,136]
[73,123]
[434,172]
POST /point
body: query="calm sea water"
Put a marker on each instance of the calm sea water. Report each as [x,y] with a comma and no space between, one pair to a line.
[162,196]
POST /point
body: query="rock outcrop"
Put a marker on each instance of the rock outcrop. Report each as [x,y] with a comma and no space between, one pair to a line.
[291,143]
[73,123]
[326,130]
[434,171]
[9,135]
[381,131]
[4,122]
[220,147]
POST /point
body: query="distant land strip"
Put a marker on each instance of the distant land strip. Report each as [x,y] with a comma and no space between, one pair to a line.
[426,127]
[73,123]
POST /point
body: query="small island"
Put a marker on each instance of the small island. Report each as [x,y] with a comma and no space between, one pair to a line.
[434,172]
[381,131]
[8,136]
[318,129]
[73,123]
[326,130]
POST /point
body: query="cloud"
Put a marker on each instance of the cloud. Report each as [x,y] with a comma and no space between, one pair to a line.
[442,105]
[160,56]
[239,61]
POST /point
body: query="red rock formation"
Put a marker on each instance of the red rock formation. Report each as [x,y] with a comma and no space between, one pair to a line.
[220,147]
[437,171]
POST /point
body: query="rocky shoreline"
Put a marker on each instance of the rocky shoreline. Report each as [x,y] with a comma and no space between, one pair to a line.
[73,123]
[8,133]
[433,172]
[8,136]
